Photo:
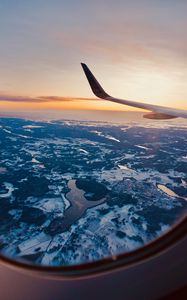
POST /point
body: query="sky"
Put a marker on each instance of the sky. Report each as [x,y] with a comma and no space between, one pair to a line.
[136,49]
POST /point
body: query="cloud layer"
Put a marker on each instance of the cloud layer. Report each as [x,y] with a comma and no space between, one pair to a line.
[41,99]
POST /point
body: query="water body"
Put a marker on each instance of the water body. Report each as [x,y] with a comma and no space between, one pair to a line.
[125,167]
[79,205]
[169,192]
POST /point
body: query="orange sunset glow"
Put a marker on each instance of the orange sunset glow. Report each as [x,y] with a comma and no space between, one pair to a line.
[134,51]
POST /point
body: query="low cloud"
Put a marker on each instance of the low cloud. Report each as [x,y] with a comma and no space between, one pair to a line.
[61,99]
[42,99]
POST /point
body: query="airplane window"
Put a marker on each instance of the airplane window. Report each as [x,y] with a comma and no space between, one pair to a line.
[74,192]
[85,176]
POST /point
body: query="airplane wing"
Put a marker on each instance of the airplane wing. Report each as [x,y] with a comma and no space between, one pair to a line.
[157,112]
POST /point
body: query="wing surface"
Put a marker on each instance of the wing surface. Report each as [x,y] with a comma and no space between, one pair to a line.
[157,112]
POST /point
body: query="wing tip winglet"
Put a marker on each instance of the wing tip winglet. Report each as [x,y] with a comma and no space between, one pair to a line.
[94,84]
